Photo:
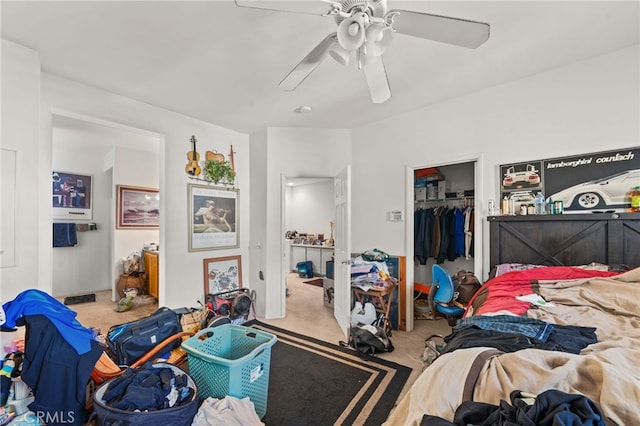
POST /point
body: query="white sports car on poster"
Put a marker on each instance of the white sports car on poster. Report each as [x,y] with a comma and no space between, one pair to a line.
[607,192]
[527,176]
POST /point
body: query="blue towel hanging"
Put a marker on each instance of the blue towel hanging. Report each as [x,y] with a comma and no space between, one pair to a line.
[64,235]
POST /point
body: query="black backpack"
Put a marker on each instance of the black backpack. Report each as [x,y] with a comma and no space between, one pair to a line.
[366,343]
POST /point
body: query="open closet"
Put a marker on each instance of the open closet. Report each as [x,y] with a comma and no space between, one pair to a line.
[444,228]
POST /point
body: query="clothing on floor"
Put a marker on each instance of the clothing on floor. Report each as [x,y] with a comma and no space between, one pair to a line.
[37,302]
[229,411]
[56,373]
[148,388]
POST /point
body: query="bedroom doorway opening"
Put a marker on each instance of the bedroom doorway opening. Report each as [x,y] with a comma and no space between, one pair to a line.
[308,211]
[109,154]
[448,192]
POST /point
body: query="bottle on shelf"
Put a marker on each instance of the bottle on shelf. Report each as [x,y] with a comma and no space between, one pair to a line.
[539,204]
[635,199]
[505,206]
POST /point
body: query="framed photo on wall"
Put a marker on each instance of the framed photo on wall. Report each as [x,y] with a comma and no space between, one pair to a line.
[71,195]
[138,208]
[213,218]
[222,274]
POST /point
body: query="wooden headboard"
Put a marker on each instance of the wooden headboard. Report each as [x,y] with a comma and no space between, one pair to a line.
[568,239]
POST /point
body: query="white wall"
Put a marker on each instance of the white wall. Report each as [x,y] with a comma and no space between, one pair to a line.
[20,124]
[132,168]
[20,75]
[310,208]
[584,107]
[258,222]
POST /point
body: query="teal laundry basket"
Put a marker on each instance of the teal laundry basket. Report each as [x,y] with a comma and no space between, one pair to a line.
[231,360]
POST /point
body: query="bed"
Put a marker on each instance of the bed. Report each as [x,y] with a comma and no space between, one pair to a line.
[586,269]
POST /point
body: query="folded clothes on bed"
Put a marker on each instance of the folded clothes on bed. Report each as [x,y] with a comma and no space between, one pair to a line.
[562,338]
[531,327]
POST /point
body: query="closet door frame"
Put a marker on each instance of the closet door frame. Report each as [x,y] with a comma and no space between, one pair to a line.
[481,226]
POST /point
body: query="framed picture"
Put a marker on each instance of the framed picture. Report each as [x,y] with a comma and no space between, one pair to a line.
[138,208]
[213,218]
[222,274]
[71,195]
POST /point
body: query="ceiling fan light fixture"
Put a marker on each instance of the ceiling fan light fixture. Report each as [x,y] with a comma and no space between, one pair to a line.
[351,32]
[377,38]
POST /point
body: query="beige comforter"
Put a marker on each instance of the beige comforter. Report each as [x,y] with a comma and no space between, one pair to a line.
[608,372]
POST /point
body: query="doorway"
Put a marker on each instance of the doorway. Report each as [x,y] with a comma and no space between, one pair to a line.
[110,154]
[308,211]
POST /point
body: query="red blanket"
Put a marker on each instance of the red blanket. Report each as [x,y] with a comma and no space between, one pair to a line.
[500,292]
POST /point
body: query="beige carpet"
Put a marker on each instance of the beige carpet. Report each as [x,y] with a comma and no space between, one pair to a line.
[101,314]
[306,314]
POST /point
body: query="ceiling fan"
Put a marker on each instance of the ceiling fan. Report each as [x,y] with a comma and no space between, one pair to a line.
[365,30]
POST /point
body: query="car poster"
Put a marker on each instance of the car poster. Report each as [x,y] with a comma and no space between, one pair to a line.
[584,183]
[520,182]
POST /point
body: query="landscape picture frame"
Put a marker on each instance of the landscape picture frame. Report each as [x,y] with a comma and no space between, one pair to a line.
[137,207]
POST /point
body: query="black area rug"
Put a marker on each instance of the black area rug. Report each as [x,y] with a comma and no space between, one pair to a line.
[312,382]
[318,282]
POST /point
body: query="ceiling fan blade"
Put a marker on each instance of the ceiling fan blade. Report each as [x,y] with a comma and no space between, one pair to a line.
[377,80]
[459,32]
[310,7]
[309,63]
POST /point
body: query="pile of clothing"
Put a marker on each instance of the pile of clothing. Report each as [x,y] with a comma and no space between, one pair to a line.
[148,389]
[550,408]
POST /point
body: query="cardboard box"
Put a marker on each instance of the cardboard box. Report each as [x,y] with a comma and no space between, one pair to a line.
[442,190]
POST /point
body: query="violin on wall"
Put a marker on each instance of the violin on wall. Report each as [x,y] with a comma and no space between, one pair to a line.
[193,168]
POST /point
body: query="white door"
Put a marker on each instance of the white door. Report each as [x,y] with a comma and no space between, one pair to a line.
[342,250]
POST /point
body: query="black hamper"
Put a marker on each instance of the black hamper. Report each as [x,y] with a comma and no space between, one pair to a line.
[175,416]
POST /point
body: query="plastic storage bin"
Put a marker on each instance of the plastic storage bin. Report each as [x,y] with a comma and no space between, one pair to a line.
[231,360]
[305,269]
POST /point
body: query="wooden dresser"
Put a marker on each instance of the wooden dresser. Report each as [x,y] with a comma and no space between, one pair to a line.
[151,267]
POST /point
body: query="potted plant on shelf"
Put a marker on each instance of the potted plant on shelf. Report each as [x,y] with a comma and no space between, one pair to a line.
[217,171]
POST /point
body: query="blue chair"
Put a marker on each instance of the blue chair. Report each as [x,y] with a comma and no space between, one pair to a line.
[442,294]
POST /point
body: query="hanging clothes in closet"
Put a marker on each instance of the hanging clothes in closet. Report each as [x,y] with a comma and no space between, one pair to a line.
[443,233]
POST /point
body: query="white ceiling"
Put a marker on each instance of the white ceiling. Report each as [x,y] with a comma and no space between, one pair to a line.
[221,63]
